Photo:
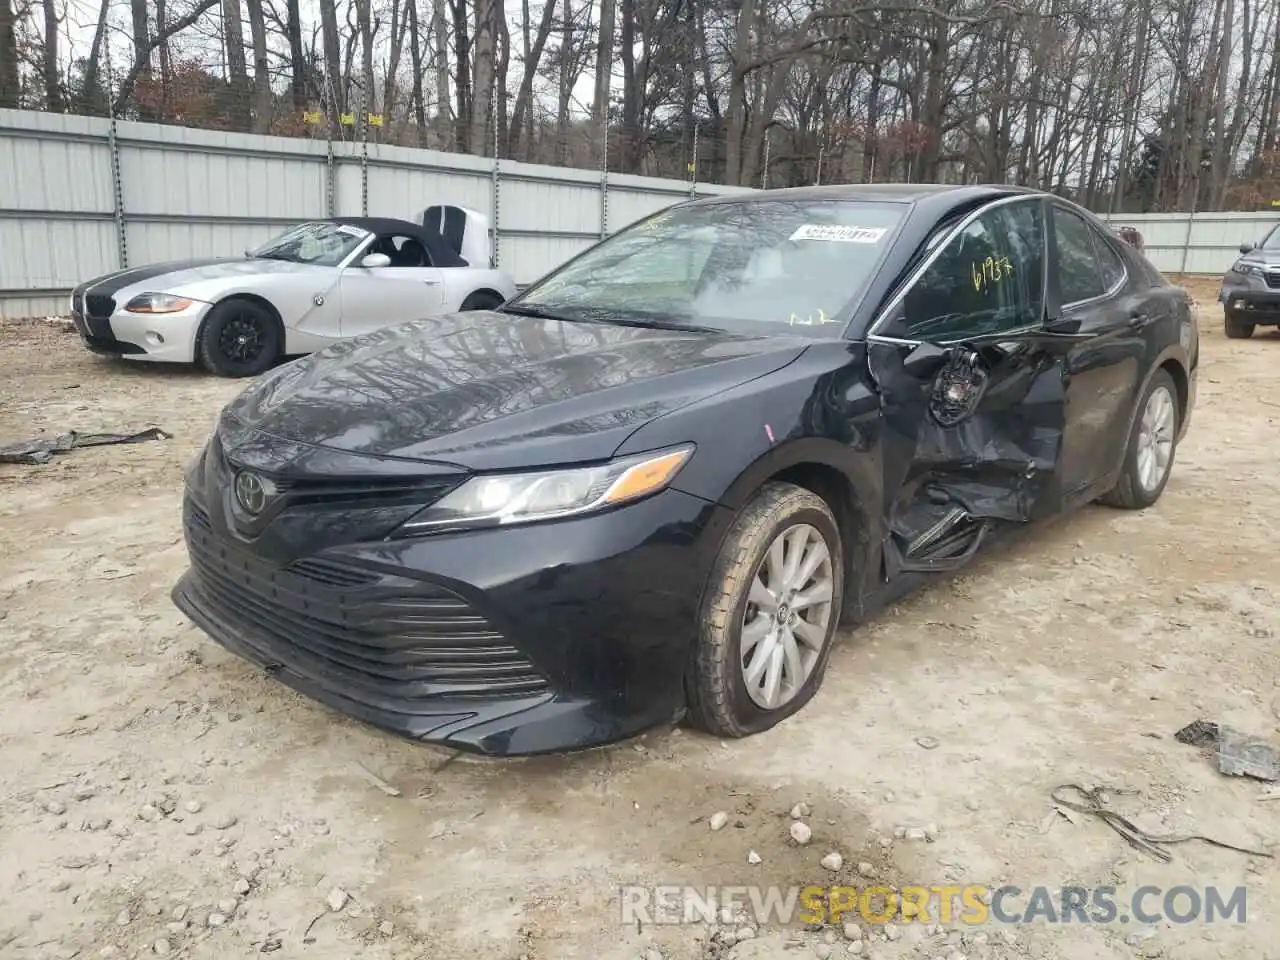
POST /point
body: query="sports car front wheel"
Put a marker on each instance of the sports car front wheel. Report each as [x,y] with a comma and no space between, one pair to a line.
[769,613]
[239,338]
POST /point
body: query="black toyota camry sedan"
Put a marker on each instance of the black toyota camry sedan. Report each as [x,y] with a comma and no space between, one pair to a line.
[652,486]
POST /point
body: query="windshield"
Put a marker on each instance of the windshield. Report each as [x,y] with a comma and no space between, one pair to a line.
[754,266]
[1272,241]
[322,243]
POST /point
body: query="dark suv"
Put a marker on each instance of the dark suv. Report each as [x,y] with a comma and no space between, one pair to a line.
[1250,291]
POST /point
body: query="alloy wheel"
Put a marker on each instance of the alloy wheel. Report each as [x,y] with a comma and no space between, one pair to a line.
[787,616]
[1155,439]
[242,338]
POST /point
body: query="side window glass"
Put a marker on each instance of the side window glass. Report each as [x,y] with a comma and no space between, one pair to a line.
[1109,261]
[1078,271]
[988,279]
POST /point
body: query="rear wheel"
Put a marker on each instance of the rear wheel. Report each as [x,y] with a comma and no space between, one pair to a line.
[239,338]
[1148,460]
[769,613]
[482,300]
[1237,329]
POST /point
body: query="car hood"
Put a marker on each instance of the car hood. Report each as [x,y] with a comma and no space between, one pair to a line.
[488,390]
[1270,258]
[182,276]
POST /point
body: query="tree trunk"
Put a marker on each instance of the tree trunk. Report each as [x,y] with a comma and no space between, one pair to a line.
[521,114]
[604,64]
[415,56]
[9,87]
[485,67]
[261,68]
[298,75]
[334,89]
[49,60]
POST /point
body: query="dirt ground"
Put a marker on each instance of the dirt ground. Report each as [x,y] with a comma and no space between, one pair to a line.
[149,780]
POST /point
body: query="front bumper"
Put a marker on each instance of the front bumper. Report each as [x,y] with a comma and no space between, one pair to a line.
[522,641]
[1251,298]
[164,338]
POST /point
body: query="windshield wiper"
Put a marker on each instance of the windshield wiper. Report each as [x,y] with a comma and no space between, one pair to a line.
[540,313]
[273,256]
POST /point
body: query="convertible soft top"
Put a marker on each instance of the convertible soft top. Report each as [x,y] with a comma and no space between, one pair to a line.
[442,254]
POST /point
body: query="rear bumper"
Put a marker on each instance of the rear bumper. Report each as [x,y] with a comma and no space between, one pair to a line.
[509,642]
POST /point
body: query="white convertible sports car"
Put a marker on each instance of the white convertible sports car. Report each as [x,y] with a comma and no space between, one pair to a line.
[318,282]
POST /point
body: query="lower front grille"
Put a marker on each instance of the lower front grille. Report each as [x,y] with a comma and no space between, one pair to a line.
[98,306]
[372,637]
[1273,279]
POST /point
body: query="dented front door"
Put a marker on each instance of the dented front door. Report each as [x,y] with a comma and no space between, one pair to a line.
[972,393]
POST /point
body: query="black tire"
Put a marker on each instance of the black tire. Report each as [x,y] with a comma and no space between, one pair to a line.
[1129,492]
[239,338]
[715,687]
[482,300]
[1235,328]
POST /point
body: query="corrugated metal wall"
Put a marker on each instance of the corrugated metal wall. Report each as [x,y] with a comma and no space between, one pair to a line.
[191,193]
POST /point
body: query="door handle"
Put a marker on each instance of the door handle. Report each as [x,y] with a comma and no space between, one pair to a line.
[1139,320]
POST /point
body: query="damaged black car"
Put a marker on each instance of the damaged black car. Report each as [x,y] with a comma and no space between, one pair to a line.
[652,486]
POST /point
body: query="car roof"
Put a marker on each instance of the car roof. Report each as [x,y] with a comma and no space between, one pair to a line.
[937,195]
[441,251]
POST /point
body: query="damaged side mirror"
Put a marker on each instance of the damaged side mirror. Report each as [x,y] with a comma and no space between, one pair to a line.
[958,387]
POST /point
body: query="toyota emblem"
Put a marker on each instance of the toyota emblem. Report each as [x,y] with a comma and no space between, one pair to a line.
[252,491]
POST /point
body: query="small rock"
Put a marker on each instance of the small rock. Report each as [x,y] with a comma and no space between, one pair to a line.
[832,861]
[98,823]
[162,947]
[822,950]
[241,886]
[123,919]
[387,928]
[1139,936]
[149,813]
[866,869]
[227,906]
[931,831]
[84,792]
[56,807]
[800,832]
[890,797]
[856,948]
[337,899]
[744,933]
[192,806]
[179,912]
[192,828]
[891,932]
[653,953]
[829,937]
[718,820]
[753,857]
[153,909]
[109,951]
[166,805]
[225,822]
[176,926]
[852,932]
[915,833]
[928,743]
[800,810]
[217,920]
[972,804]
[899,833]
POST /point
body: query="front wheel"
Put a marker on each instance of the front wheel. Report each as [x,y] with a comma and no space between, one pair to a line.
[1148,459]
[239,338]
[1237,329]
[769,613]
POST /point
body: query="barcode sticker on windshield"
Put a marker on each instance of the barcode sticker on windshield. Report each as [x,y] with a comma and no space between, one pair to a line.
[834,233]
[351,231]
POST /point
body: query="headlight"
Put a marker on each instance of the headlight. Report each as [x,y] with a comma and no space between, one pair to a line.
[1247,268]
[500,499]
[157,303]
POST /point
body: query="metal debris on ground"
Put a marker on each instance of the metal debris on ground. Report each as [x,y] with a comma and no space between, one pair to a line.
[1094,803]
[1238,754]
[39,451]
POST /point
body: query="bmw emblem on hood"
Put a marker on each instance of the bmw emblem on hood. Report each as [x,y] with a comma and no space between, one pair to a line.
[252,491]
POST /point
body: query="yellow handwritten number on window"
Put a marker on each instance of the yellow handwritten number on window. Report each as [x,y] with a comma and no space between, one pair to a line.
[989,271]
